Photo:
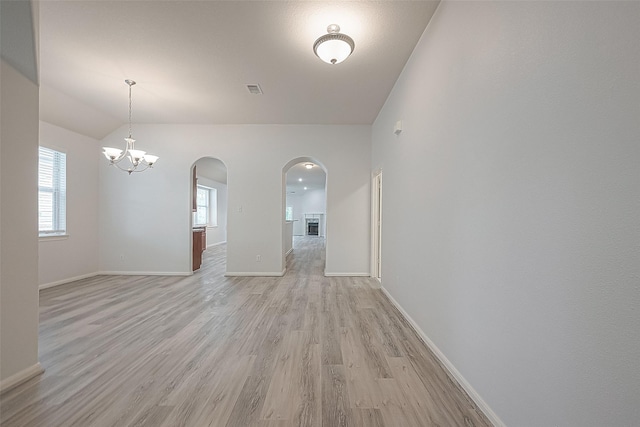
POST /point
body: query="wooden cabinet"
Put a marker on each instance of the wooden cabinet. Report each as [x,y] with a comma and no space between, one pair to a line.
[199,245]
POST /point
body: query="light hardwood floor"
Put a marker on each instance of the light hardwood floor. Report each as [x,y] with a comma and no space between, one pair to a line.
[207,350]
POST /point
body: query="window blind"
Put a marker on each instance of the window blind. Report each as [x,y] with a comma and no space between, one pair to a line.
[52,192]
[202,202]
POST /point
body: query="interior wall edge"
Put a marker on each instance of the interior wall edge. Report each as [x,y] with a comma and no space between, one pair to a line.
[145,273]
[447,365]
[20,377]
[67,280]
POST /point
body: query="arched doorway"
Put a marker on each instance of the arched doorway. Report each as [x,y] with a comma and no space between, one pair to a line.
[304,202]
[208,211]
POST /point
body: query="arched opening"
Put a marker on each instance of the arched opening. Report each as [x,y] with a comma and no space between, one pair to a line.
[208,213]
[304,209]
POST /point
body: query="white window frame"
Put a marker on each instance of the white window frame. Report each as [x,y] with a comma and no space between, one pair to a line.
[52,179]
[211,205]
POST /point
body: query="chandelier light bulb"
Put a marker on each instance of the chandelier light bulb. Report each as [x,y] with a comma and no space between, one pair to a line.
[111,153]
[150,159]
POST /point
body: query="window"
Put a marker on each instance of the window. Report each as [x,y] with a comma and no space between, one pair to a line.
[207,206]
[289,214]
[52,192]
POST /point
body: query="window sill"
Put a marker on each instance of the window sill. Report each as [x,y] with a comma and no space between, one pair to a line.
[52,237]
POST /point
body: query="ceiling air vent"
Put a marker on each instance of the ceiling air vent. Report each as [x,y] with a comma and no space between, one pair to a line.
[254,89]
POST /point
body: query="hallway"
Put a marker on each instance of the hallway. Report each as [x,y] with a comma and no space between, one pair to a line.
[298,350]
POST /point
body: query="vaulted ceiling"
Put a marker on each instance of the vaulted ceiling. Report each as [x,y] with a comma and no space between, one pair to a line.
[192,61]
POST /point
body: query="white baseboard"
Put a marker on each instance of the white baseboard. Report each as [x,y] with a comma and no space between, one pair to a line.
[327,274]
[145,273]
[255,274]
[216,244]
[20,377]
[495,420]
[69,280]
[112,273]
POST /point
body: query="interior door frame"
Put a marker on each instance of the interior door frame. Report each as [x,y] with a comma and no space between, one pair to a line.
[376,225]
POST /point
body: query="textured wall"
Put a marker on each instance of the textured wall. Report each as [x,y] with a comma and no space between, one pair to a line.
[18,225]
[511,229]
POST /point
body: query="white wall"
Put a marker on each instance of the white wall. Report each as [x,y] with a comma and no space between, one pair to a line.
[287,237]
[511,230]
[18,193]
[18,226]
[217,234]
[145,226]
[308,202]
[313,201]
[295,201]
[62,260]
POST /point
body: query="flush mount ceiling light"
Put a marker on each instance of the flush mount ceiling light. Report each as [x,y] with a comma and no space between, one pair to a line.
[138,158]
[308,165]
[334,47]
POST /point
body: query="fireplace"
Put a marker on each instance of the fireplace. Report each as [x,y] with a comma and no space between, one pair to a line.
[313,224]
[312,227]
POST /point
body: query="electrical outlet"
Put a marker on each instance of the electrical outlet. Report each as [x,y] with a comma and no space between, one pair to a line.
[258,258]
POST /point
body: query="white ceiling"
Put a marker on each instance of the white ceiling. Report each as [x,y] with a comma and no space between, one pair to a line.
[193,59]
[214,169]
[314,178]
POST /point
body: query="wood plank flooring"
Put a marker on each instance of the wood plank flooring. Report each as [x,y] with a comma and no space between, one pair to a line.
[208,350]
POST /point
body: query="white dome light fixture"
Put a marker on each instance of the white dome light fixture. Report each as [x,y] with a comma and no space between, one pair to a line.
[334,47]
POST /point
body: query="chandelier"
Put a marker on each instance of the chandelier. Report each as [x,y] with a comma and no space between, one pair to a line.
[139,160]
[334,47]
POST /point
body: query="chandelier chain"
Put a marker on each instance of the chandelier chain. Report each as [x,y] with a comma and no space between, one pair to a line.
[129,111]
